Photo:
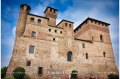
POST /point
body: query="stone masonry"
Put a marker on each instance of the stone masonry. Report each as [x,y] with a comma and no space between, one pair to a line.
[59,49]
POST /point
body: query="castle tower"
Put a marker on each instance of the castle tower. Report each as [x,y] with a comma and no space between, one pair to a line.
[51,13]
[24,10]
[98,32]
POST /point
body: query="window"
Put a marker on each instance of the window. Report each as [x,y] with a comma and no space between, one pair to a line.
[49,30]
[65,24]
[32,20]
[83,45]
[40,70]
[31,49]
[51,66]
[28,63]
[104,54]
[95,22]
[50,10]
[33,34]
[69,56]
[91,21]
[86,55]
[101,37]
[55,31]
[54,11]
[92,38]
[70,25]
[61,32]
[39,20]
[53,39]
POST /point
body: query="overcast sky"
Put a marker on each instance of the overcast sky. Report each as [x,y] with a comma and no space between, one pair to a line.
[73,10]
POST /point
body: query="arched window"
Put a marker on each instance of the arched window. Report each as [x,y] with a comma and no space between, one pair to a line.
[31,19]
[69,56]
[101,37]
[39,20]
[104,54]
[28,63]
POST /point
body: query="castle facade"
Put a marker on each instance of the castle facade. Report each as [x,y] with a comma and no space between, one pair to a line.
[49,51]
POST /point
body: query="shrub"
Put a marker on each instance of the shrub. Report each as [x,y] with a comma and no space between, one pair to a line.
[19,73]
[3,72]
[74,74]
[113,76]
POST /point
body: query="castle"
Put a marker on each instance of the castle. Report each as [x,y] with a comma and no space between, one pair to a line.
[49,51]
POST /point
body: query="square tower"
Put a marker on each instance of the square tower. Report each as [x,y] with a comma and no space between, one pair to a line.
[51,13]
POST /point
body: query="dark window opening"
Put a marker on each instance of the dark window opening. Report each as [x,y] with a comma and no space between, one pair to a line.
[54,11]
[33,34]
[49,30]
[28,63]
[91,21]
[65,24]
[69,56]
[61,32]
[39,20]
[70,25]
[92,38]
[50,10]
[86,55]
[31,49]
[101,37]
[32,20]
[99,23]
[51,66]
[40,70]
[83,45]
[104,54]
[95,22]
[53,39]
[55,31]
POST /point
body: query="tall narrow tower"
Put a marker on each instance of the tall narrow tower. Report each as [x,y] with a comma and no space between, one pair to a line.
[51,13]
[24,10]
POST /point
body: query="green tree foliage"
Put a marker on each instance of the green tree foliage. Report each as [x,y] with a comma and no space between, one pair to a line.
[3,72]
[113,76]
[74,74]
[19,73]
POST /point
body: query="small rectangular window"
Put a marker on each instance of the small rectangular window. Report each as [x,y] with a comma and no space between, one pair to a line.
[70,25]
[31,49]
[55,31]
[53,39]
[61,32]
[65,24]
[31,19]
[101,38]
[104,54]
[83,45]
[40,70]
[49,30]
[86,55]
[33,34]
[39,20]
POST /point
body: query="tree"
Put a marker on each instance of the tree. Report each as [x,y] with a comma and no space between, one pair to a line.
[3,72]
[74,74]
[113,76]
[19,73]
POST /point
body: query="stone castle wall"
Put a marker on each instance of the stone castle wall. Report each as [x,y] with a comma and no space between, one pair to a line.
[52,54]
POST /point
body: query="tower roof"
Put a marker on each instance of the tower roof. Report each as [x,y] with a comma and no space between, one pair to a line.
[25,5]
[91,20]
[51,8]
